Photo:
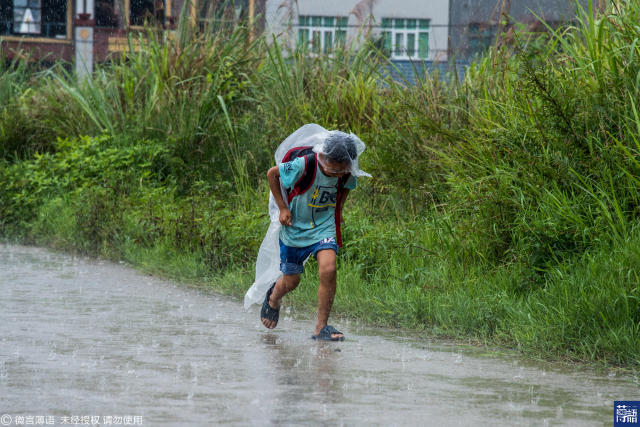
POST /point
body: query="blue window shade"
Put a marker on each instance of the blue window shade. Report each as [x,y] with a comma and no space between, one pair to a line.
[398,23]
[343,21]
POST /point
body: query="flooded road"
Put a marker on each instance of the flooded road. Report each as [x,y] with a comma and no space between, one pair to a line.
[82,338]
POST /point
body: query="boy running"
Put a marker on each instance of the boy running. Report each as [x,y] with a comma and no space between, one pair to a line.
[309,226]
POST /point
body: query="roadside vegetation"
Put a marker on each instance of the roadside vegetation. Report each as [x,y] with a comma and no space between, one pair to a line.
[504,208]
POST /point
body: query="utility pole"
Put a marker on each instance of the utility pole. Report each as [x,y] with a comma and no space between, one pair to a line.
[84,24]
[252,10]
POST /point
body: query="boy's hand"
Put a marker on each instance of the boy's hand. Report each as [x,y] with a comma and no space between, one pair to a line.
[285,217]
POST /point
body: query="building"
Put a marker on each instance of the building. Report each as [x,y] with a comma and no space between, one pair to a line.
[411,29]
[417,34]
[85,31]
[475,24]
[413,32]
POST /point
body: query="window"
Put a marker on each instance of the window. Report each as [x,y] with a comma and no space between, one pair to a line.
[143,11]
[406,38]
[6,18]
[106,13]
[44,18]
[481,36]
[27,16]
[322,34]
[54,18]
[213,15]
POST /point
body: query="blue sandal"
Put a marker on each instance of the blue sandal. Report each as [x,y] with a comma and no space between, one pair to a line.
[267,311]
[326,332]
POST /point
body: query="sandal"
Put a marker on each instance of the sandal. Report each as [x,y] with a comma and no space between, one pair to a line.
[268,312]
[326,332]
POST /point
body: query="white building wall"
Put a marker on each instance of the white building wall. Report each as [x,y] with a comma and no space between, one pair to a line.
[282,18]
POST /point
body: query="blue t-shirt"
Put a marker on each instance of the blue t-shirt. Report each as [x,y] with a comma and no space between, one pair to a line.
[313,213]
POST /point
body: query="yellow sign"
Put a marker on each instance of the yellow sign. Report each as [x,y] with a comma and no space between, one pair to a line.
[121,44]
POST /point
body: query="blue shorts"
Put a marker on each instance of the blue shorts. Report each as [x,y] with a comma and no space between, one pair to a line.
[292,259]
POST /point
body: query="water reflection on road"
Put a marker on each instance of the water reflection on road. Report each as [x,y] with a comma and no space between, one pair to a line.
[90,338]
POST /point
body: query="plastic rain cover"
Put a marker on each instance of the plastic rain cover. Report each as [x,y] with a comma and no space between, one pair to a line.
[268,262]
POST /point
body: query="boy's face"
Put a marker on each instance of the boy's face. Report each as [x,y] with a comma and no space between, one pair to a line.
[331,168]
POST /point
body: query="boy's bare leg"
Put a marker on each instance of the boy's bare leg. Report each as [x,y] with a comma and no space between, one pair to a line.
[284,285]
[327,289]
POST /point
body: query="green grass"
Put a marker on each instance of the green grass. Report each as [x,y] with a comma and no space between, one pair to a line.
[504,208]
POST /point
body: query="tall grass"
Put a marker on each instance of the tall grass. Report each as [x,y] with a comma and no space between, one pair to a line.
[20,131]
[503,208]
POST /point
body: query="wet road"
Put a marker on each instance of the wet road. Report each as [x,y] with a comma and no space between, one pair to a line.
[83,338]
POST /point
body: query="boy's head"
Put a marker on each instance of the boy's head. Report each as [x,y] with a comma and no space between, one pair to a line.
[338,153]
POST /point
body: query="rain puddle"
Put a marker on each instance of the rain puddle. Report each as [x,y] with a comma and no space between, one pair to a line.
[97,343]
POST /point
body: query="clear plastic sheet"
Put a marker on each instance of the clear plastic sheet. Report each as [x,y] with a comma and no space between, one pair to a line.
[268,262]
[335,147]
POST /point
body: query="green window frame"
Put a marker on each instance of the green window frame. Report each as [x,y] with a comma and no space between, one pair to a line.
[423,45]
[303,36]
[406,38]
[322,34]
[411,44]
[341,38]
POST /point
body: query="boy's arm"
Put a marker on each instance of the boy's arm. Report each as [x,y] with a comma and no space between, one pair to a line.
[273,176]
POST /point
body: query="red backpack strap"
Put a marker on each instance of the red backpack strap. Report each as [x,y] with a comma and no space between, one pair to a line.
[296,152]
[338,213]
[306,179]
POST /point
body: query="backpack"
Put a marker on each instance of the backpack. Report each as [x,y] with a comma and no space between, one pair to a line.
[308,176]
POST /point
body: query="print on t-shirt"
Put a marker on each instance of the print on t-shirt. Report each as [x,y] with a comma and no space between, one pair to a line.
[322,199]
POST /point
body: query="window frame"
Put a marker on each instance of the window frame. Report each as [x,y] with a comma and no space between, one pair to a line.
[27,38]
[36,23]
[167,13]
[330,30]
[405,29]
[480,37]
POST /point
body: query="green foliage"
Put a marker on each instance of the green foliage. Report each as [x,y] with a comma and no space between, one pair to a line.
[77,166]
